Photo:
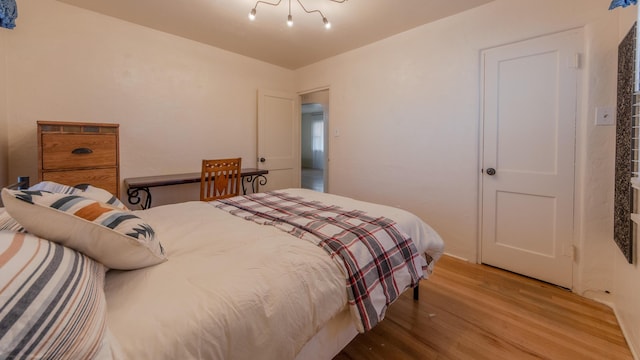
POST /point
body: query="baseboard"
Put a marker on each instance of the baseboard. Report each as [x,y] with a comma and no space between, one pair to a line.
[632,346]
[456,257]
[634,352]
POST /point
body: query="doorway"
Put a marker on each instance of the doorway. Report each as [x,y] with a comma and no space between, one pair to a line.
[313,140]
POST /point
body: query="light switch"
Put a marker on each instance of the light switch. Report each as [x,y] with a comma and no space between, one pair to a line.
[605,116]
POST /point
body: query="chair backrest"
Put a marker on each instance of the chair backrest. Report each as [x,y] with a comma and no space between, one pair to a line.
[220,179]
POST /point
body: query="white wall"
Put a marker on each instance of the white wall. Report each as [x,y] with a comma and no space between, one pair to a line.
[415,96]
[177,101]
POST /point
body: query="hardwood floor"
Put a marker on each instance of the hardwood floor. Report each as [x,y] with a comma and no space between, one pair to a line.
[470,311]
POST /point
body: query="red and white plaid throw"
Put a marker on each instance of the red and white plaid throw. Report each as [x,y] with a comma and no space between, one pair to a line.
[377,259]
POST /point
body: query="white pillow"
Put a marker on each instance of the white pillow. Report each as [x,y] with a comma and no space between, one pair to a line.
[52,303]
[116,238]
[85,190]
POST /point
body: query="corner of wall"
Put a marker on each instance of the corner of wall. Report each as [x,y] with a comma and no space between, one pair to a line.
[626,279]
[4,133]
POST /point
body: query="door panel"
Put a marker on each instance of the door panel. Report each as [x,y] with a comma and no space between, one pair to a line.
[279,138]
[537,221]
[529,114]
[536,127]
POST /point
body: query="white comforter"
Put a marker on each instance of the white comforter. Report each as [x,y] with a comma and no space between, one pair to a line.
[233,289]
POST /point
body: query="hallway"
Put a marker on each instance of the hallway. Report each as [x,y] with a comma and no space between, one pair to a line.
[313,179]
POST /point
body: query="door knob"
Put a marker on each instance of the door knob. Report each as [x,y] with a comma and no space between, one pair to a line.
[262,159]
[491,171]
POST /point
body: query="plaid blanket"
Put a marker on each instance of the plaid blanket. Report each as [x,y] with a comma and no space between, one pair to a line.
[377,260]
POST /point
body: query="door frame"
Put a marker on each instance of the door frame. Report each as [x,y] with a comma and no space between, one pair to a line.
[579,153]
[327,124]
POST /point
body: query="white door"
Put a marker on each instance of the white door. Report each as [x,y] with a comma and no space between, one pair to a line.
[529,116]
[279,139]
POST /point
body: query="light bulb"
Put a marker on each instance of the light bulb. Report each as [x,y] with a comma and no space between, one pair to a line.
[290,20]
[252,14]
[326,22]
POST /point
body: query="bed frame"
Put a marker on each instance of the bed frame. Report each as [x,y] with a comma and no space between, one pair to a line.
[22,184]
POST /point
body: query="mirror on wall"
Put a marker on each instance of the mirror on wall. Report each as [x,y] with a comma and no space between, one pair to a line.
[627,138]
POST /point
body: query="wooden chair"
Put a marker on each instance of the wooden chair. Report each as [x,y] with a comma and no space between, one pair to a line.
[220,179]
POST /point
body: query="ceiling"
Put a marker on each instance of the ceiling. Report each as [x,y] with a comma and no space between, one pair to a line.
[225,23]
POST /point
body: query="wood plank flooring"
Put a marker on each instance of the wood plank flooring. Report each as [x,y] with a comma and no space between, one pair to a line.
[470,311]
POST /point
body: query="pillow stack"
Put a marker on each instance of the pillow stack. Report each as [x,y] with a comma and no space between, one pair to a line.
[56,243]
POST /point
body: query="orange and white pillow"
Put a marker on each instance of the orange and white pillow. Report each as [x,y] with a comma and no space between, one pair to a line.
[116,238]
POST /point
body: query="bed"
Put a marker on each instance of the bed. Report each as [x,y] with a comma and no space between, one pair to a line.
[235,286]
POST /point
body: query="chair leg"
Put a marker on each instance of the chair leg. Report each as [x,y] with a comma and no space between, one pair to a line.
[416,293]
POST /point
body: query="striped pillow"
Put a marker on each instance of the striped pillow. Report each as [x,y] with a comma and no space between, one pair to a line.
[52,302]
[85,190]
[116,238]
[9,223]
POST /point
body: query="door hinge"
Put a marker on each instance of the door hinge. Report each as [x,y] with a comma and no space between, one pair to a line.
[571,251]
[576,61]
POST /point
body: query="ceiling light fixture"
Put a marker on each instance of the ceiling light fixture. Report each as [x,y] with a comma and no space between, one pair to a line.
[327,24]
